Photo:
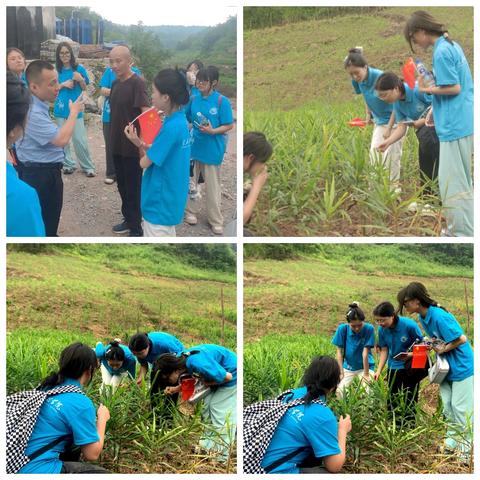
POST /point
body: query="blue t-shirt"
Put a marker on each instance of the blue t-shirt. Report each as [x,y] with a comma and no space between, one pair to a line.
[128,365]
[452,114]
[207,148]
[354,343]
[413,106]
[443,325]
[212,362]
[24,215]
[61,108]
[381,110]
[70,414]
[313,427]
[399,339]
[108,77]
[40,131]
[161,343]
[165,182]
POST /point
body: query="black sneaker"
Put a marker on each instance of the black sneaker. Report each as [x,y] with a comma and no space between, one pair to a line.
[121,228]
[136,233]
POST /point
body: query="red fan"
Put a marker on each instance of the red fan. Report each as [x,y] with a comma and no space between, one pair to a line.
[357,122]
[408,71]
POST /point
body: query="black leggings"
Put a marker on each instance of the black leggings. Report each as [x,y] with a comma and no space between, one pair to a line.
[428,154]
[72,464]
[401,382]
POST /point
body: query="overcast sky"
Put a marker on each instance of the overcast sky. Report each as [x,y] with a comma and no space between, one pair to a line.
[159,13]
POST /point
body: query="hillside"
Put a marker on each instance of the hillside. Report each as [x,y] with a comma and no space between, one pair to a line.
[310,294]
[300,63]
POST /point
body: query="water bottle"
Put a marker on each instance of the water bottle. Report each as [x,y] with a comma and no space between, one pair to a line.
[202,119]
[428,79]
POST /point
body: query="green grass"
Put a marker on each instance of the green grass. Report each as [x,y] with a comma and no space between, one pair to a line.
[137,440]
[311,294]
[376,443]
[321,182]
[112,297]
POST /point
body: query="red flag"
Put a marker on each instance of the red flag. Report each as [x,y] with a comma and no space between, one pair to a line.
[408,71]
[150,124]
[357,122]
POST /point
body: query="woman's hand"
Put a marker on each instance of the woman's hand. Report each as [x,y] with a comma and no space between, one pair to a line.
[418,123]
[388,132]
[344,423]
[440,348]
[103,413]
[207,128]
[131,133]
[172,390]
[383,146]
[377,375]
[67,84]
[78,77]
[429,118]
[260,178]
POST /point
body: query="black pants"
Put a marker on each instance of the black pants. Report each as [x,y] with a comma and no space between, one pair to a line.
[428,154]
[401,383]
[81,467]
[312,465]
[110,170]
[129,181]
[46,179]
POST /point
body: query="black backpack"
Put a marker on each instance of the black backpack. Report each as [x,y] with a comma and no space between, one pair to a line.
[22,412]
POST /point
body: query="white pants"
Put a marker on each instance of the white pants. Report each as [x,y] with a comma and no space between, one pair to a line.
[391,157]
[348,377]
[152,230]
[112,380]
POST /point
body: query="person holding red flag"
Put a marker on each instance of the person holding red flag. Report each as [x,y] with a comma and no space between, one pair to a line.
[165,181]
[128,99]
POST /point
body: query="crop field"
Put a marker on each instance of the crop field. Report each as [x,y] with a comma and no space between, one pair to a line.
[57,299]
[292,308]
[321,181]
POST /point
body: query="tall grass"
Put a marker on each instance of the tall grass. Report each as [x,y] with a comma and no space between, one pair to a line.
[321,180]
[138,440]
[380,442]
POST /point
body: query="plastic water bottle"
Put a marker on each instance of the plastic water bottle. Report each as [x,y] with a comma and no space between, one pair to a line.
[202,119]
[424,73]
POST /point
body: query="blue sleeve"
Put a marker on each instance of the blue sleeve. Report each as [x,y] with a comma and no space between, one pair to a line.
[225,114]
[188,110]
[356,87]
[322,433]
[339,338]
[137,71]
[83,73]
[41,131]
[161,147]
[131,366]
[208,368]
[83,422]
[399,116]
[425,98]
[106,80]
[370,338]
[100,350]
[381,339]
[445,67]
[449,328]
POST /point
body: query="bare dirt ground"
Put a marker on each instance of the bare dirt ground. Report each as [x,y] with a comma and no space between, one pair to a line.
[91,208]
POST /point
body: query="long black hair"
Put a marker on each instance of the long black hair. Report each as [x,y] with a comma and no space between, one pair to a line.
[386,309]
[18,102]
[389,81]
[173,82]
[417,291]
[139,342]
[74,361]
[58,61]
[115,352]
[256,144]
[355,313]
[321,377]
[167,363]
[421,20]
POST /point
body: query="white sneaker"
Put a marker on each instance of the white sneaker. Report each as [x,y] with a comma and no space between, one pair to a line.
[191,219]
[217,230]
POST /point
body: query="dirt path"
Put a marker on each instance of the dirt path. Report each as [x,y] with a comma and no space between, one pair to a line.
[91,208]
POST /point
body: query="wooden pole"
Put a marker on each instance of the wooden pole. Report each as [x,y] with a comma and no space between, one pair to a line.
[223,315]
[468,313]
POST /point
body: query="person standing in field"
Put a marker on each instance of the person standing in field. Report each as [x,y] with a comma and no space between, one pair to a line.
[117,362]
[105,85]
[41,148]
[69,418]
[128,99]
[166,162]
[354,341]
[452,108]
[73,80]
[211,116]
[308,438]
[378,112]
[217,368]
[24,216]
[396,335]
[457,388]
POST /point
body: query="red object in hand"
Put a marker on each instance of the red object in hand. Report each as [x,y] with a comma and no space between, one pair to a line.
[188,387]
[419,356]
[408,71]
[357,122]
[150,124]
